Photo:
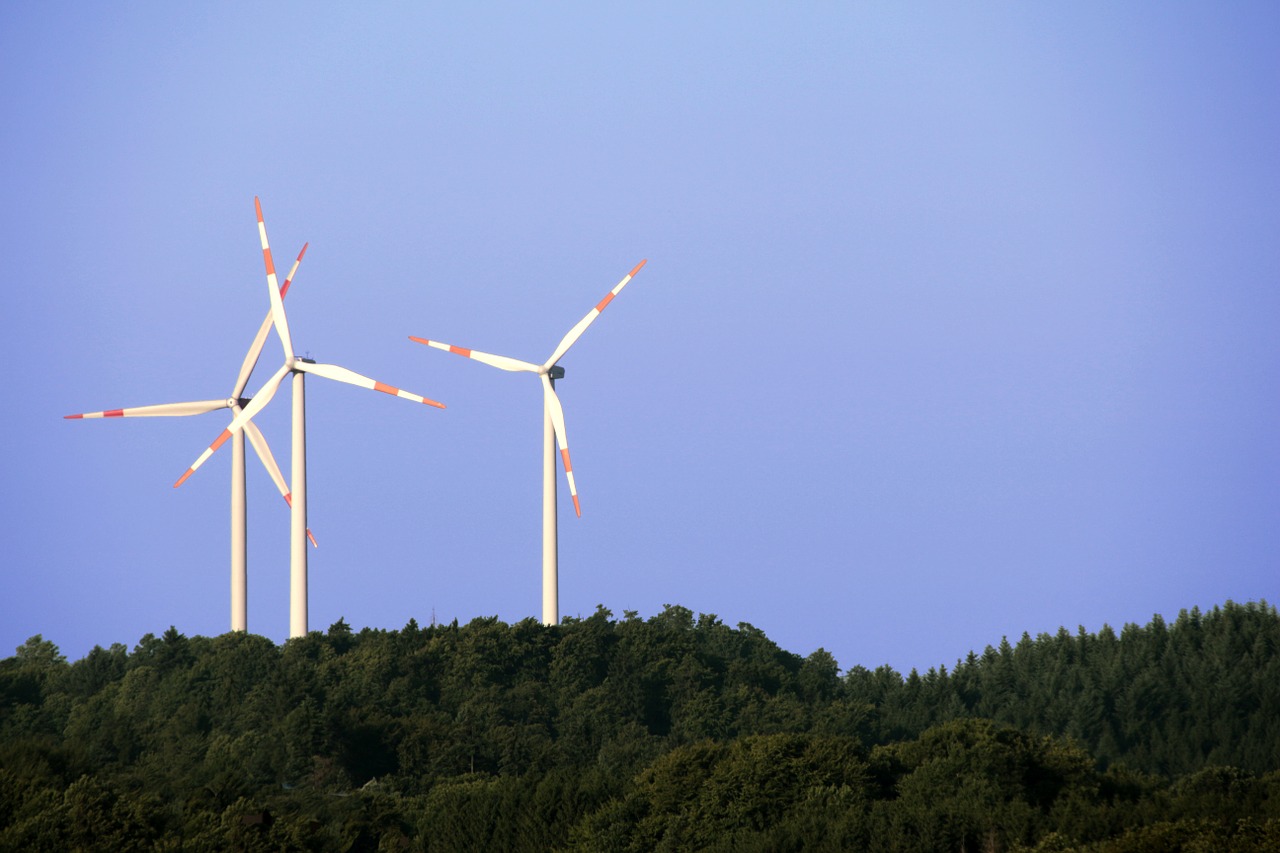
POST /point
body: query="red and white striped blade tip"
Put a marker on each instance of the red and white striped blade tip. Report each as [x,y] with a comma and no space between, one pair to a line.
[431,402]
[501,362]
[284,288]
[213,448]
[462,351]
[342,374]
[408,395]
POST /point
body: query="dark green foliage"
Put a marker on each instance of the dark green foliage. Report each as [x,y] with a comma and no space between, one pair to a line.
[713,795]
[676,732]
[1164,699]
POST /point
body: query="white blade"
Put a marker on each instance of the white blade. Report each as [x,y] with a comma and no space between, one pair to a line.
[259,442]
[263,397]
[255,349]
[552,403]
[576,332]
[342,374]
[499,361]
[163,410]
[273,288]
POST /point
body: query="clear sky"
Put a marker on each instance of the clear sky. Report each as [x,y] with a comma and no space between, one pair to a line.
[960,320]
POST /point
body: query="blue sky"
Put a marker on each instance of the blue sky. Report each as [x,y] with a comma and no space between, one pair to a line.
[959,320]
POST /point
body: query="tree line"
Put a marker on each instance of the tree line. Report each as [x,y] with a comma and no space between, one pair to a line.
[675,732]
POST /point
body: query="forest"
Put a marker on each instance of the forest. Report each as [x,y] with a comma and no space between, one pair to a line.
[675,732]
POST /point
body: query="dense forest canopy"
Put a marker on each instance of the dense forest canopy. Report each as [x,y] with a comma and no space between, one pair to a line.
[673,732]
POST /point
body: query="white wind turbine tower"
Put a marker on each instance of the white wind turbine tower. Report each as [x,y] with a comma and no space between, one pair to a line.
[299,367]
[236,403]
[553,433]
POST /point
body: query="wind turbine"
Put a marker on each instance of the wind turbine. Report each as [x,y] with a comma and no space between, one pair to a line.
[552,433]
[299,367]
[236,403]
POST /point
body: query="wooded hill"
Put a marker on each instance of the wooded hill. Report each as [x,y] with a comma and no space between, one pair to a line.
[667,733]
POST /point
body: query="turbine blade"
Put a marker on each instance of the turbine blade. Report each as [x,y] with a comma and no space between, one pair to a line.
[273,287]
[576,332]
[284,288]
[342,374]
[259,442]
[255,348]
[499,361]
[251,357]
[552,403]
[163,410]
[263,397]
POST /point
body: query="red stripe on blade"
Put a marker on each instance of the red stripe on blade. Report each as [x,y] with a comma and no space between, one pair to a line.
[460,351]
[603,302]
[385,389]
[564,454]
[220,440]
[71,417]
[114,413]
[637,268]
